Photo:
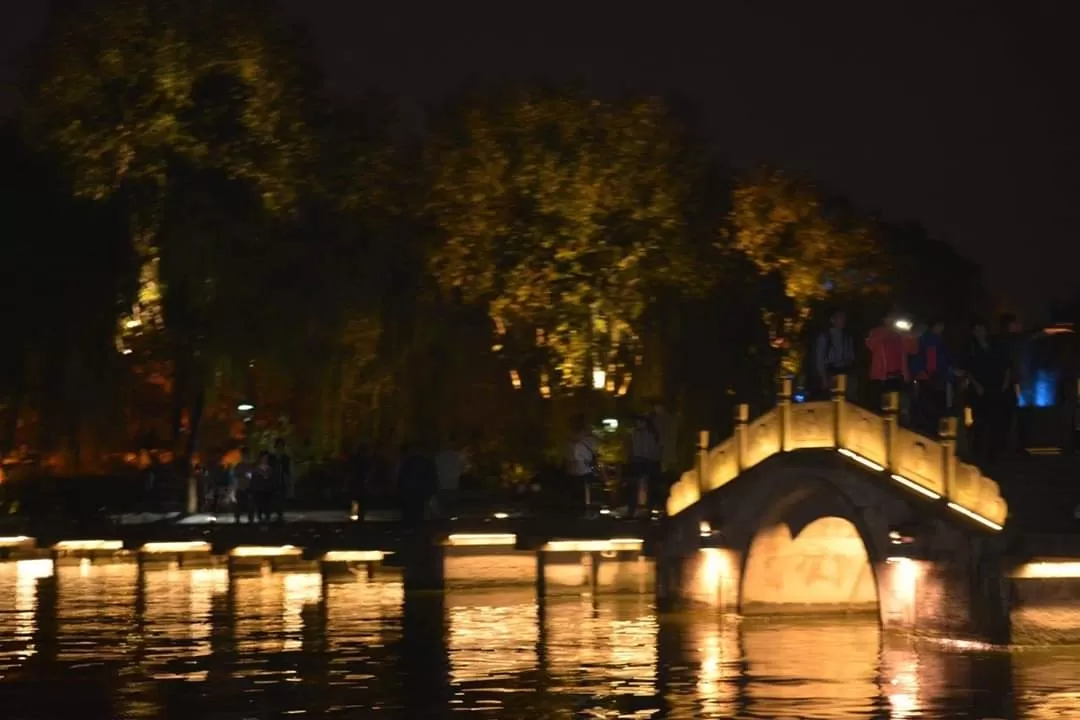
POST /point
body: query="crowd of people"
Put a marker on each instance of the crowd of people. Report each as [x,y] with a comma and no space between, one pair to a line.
[979,385]
[640,484]
[255,488]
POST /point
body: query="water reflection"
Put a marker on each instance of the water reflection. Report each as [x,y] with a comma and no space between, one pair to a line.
[176,642]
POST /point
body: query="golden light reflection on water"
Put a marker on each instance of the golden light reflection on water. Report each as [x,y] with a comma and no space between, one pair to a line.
[18,581]
[603,642]
[717,646]
[492,636]
[1047,682]
[95,611]
[300,589]
[290,643]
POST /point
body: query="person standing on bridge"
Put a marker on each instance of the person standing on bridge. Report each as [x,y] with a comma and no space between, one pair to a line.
[834,354]
[890,347]
[988,383]
[932,370]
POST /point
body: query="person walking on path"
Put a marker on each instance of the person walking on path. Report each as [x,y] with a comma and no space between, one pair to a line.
[281,476]
[359,478]
[242,476]
[584,469]
[643,470]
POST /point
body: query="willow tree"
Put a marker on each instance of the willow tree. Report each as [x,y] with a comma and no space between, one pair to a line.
[789,232]
[160,104]
[560,215]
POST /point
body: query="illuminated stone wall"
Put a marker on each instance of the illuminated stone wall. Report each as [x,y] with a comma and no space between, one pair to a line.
[824,568]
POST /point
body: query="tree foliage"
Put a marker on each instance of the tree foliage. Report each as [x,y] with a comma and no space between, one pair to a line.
[306,253]
[138,98]
[787,230]
[560,214]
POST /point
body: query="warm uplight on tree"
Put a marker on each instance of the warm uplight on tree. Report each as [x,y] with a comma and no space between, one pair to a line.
[560,215]
[599,379]
[783,227]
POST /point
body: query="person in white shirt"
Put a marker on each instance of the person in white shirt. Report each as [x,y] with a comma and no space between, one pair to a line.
[583,465]
[450,465]
[644,467]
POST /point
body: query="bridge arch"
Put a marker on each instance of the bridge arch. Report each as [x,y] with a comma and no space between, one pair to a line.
[803,536]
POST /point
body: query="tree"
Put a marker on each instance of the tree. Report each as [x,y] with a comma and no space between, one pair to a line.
[813,249]
[560,214]
[65,273]
[192,114]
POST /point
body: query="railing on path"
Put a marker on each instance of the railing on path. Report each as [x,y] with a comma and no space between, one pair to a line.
[924,465]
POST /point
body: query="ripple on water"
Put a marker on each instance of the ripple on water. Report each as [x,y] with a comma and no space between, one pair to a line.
[99,641]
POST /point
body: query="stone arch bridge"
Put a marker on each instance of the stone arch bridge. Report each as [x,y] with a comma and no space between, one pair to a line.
[825,507]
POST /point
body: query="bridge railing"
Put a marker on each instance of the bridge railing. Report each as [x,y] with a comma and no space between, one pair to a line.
[926,466]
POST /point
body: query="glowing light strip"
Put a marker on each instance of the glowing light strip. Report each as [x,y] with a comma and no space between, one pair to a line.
[974,516]
[1062,569]
[860,459]
[354,556]
[67,545]
[899,560]
[611,545]
[482,539]
[176,547]
[15,540]
[916,487]
[264,551]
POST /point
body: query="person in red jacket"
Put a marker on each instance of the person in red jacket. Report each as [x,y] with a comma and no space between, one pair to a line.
[889,349]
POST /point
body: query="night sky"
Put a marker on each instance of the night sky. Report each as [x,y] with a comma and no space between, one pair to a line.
[961,114]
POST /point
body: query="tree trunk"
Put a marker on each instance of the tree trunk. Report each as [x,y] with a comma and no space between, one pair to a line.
[9,439]
[193,426]
[339,406]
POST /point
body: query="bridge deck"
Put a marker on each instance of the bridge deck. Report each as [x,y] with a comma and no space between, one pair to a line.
[319,535]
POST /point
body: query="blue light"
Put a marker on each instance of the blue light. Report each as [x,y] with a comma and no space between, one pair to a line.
[799,397]
[1045,388]
[1042,392]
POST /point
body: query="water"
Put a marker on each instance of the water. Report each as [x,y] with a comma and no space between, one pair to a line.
[92,642]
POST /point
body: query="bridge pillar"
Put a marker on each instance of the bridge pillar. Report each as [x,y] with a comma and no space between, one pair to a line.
[671,559]
[955,588]
[742,419]
[839,401]
[425,563]
[890,407]
[783,404]
[702,455]
[947,433]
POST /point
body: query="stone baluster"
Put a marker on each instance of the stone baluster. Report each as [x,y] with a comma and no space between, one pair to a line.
[890,408]
[839,399]
[742,417]
[783,405]
[702,458]
[947,433]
